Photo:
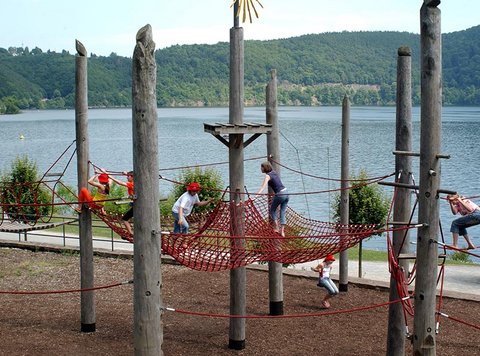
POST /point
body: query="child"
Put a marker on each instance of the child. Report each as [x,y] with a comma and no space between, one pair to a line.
[470,216]
[324,280]
[184,205]
[130,188]
[102,182]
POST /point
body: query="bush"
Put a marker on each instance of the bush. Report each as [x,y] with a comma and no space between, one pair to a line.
[21,186]
[66,195]
[367,202]
[210,181]
[460,257]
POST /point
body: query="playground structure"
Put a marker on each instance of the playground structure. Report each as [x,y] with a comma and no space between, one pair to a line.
[188,248]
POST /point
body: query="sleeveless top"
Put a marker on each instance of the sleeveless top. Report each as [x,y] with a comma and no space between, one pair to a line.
[275,183]
[325,272]
[100,196]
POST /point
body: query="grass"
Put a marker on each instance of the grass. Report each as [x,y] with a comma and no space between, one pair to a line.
[99,228]
[456,258]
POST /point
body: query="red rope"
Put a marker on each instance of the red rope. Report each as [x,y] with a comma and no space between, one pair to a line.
[458,249]
[459,321]
[379,178]
[291,316]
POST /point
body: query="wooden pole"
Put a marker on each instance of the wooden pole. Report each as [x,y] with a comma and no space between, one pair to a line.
[402,204]
[238,276]
[275,280]
[428,204]
[344,198]
[148,327]
[87,299]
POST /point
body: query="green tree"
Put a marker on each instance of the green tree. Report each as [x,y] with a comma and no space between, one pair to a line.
[367,202]
[26,197]
[9,105]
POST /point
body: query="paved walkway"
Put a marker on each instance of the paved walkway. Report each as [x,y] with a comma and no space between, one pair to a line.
[460,281]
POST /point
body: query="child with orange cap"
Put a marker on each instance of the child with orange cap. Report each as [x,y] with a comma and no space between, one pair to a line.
[102,182]
[324,268]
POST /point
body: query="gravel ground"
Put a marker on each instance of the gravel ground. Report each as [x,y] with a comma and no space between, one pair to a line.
[49,324]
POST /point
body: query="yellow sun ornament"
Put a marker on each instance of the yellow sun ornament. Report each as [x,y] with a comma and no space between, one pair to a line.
[245,6]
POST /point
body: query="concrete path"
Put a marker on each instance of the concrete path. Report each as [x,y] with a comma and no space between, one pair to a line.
[460,281]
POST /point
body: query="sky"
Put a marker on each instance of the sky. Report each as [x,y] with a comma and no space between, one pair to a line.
[107,26]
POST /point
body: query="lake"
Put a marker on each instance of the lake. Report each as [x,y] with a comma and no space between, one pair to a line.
[310,141]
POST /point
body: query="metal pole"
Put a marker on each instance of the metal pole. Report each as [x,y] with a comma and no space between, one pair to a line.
[87,299]
[430,131]
[148,327]
[402,205]
[238,276]
[344,195]
[275,280]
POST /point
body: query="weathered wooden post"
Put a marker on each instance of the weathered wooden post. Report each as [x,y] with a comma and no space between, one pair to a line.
[402,205]
[238,276]
[236,131]
[428,202]
[87,298]
[275,280]
[344,194]
[148,328]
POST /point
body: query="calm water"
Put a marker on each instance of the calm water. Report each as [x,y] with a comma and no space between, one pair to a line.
[310,142]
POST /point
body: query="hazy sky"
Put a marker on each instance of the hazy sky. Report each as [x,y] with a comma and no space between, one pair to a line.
[106,26]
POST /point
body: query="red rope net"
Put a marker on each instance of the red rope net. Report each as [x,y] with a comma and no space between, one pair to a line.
[112,220]
[223,242]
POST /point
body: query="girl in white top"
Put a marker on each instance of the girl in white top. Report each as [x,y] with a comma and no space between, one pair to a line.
[324,279]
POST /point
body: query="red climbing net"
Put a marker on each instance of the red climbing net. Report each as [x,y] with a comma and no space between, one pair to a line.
[233,236]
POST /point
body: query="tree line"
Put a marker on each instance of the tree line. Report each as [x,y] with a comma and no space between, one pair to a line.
[316,69]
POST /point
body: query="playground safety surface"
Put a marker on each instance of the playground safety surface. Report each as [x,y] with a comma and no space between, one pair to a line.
[49,324]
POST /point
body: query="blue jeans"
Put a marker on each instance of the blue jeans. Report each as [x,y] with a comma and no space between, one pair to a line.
[177,228]
[329,285]
[281,198]
[459,225]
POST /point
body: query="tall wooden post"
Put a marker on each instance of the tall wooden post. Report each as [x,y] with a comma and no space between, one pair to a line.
[87,299]
[402,205]
[430,131]
[148,328]
[344,195]
[238,276]
[275,280]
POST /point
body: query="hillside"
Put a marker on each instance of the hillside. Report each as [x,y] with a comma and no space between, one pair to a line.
[316,69]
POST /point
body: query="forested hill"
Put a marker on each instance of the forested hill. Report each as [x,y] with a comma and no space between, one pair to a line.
[317,69]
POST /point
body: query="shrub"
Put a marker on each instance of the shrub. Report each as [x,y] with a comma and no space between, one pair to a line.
[67,195]
[210,181]
[21,188]
[367,202]
[460,257]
